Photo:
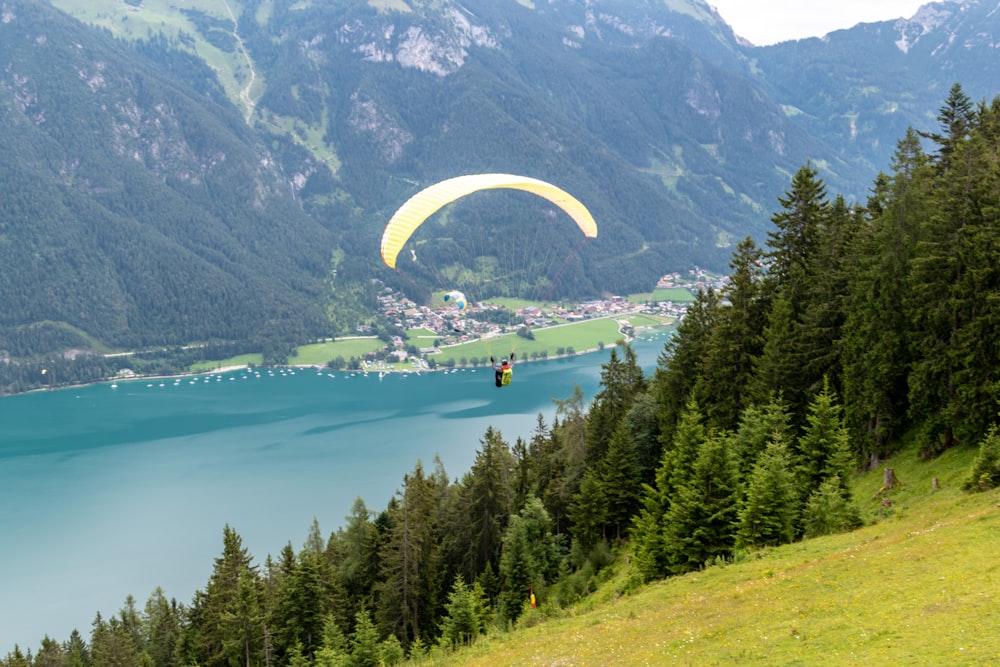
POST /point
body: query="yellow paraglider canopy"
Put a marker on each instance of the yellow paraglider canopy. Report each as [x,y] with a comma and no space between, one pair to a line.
[428,201]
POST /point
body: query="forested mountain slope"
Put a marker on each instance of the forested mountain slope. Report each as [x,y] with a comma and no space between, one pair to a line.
[134,211]
[176,174]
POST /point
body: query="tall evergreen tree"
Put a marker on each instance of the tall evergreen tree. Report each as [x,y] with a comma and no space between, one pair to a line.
[793,247]
[823,450]
[954,287]
[620,480]
[163,619]
[111,644]
[488,500]
[50,654]
[303,605]
[587,512]
[957,118]
[876,357]
[621,381]
[410,559]
[768,512]
[226,625]
[673,473]
[354,552]
[700,525]
[735,341]
[643,430]
[569,456]
[759,426]
[77,651]
[820,327]
[679,366]
[518,570]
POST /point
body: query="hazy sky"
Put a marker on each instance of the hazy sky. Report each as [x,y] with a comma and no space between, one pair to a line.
[769,21]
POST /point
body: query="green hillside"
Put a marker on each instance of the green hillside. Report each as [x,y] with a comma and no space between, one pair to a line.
[916,586]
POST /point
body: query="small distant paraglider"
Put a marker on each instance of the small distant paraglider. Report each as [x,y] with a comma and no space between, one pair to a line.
[455,298]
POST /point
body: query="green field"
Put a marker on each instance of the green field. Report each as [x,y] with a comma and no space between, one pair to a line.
[918,586]
[581,336]
[238,360]
[675,294]
[318,354]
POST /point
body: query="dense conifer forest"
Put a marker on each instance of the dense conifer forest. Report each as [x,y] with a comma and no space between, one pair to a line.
[853,325]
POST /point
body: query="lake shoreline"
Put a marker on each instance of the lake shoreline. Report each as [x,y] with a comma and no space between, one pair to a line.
[425,368]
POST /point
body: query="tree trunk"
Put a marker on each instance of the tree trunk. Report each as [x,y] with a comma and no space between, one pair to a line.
[889,482]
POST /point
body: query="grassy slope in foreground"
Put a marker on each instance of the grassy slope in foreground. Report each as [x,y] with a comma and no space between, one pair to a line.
[920,587]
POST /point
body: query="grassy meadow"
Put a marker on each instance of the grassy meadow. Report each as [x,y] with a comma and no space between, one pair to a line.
[581,336]
[918,585]
[675,294]
[318,354]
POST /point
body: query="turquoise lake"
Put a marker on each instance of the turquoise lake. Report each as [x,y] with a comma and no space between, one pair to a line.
[110,491]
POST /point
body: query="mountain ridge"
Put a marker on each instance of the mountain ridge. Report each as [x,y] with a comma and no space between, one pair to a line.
[677,134]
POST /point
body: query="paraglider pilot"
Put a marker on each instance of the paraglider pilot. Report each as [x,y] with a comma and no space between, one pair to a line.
[504,370]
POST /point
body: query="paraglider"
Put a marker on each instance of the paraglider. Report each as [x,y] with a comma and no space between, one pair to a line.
[455,298]
[483,261]
[428,201]
[504,371]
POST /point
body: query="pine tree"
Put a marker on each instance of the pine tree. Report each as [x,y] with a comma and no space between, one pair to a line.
[542,545]
[587,511]
[957,118]
[700,524]
[777,369]
[679,366]
[303,605]
[354,552]
[333,647]
[621,381]
[954,286]
[793,244]
[792,268]
[723,383]
[620,480]
[876,358]
[985,471]
[828,512]
[365,650]
[225,621]
[518,570]
[674,472]
[759,426]
[643,430]
[488,500]
[823,450]
[768,513]
[461,624]
[568,456]
[163,628]
[112,645]
[50,654]
[823,311]
[77,651]
[410,559]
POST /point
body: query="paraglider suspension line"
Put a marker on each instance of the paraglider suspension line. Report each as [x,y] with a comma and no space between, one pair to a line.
[562,268]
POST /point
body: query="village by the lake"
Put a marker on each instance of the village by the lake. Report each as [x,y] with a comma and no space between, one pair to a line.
[443,336]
